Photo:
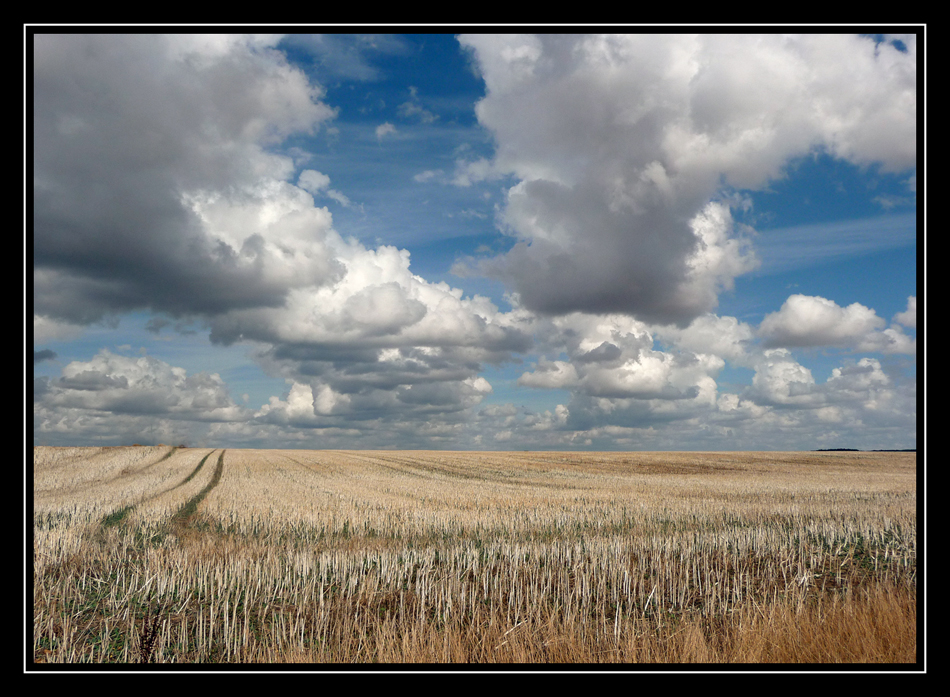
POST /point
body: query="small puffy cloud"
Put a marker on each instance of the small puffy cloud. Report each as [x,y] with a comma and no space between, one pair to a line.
[781,380]
[413,108]
[44,355]
[909,316]
[313,181]
[814,321]
[473,171]
[318,183]
[805,320]
[649,375]
[429,175]
[300,408]
[384,129]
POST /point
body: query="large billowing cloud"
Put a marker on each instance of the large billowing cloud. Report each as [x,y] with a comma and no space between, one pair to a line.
[157,187]
[620,144]
[130,132]
[378,340]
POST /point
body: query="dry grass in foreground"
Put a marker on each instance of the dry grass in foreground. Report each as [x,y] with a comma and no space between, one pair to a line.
[164,555]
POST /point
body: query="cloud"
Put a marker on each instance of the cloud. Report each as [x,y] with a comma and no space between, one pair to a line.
[44,355]
[615,375]
[790,248]
[858,403]
[856,379]
[313,181]
[726,337]
[46,329]
[133,136]
[909,317]
[347,56]
[619,144]
[155,187]
[429,175]
[815,321]
[384,129]
[637,385]
[356,327]
[551,375]
[300,409]
[413,108]
[471,172]
[318,183]
[119,386]
[380,339]
[781,380]
[160,184]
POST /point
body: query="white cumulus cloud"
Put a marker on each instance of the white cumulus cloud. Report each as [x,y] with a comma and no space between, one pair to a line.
[619,144]
[805,320]
[138,399]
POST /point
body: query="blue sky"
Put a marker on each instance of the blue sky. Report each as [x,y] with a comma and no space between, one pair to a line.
[476,241]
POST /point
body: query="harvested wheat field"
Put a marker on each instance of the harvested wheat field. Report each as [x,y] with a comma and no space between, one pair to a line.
[172,555]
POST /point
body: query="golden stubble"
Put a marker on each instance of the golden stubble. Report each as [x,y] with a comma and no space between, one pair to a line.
[432,556]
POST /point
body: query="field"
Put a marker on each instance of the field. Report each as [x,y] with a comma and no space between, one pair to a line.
[183,555]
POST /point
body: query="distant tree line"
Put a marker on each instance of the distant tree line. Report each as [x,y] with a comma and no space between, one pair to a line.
[857,450]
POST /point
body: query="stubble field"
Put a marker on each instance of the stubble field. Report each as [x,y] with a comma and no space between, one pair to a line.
[182,555]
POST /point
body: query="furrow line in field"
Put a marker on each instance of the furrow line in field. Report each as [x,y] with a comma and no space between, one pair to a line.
[136,469]
[191,506]
[116,517]
[161,459]
[388,465]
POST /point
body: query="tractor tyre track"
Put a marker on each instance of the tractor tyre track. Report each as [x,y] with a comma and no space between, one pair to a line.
[187,512]
[115,517]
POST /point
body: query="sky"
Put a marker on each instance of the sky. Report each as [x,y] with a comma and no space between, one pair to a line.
[475,241]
